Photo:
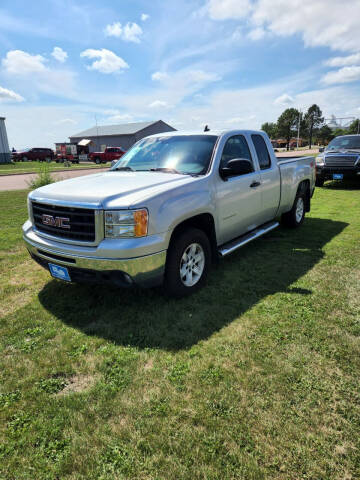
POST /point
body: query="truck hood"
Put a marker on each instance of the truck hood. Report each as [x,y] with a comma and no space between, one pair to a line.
[110,189]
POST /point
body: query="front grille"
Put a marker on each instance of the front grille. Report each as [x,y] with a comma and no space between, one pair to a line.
[340,160]
[81,221]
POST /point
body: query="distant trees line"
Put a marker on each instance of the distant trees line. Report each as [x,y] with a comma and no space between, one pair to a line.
[310,125]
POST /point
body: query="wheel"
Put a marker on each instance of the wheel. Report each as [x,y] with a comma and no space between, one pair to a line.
[319,182]
[188,262]
[295,217]
[97,161]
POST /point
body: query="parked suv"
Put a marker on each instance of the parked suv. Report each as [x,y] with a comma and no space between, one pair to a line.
[30,154]
[340,160]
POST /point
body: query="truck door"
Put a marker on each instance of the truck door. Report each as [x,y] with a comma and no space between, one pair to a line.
[270,179]
[238,197]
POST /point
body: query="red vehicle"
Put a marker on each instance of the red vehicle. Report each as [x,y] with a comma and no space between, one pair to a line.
[108,155]
[30,154]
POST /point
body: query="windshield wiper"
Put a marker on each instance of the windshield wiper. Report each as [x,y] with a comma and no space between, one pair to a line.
[125,169]
[165,170]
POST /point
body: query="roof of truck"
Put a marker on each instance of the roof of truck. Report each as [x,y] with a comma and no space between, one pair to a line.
[216,133]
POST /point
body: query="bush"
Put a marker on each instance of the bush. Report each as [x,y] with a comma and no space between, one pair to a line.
[44,177]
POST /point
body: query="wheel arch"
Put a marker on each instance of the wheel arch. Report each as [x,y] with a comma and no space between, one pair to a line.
[304,186]
[202,221]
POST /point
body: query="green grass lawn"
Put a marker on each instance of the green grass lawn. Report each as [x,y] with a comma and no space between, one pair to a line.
[30,167]
[254,377]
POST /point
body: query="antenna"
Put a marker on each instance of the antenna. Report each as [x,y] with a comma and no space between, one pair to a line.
[97,133]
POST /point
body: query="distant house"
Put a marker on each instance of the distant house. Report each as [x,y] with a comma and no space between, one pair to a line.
[123,135]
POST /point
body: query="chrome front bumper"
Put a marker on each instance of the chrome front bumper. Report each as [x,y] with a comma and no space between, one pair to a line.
[147,270]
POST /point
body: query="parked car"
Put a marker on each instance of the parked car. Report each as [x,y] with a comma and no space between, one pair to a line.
[108,155]
[168,208]
[339,160]
[31,154]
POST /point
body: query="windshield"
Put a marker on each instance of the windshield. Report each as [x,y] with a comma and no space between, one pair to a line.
[186,154]
[349,142]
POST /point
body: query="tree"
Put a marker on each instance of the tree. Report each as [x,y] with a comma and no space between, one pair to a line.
[338,132]
[324,134]
[271,129]
[313,119]
[354,127]
[287,124]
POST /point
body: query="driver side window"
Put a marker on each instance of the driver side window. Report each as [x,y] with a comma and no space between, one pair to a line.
[235,147]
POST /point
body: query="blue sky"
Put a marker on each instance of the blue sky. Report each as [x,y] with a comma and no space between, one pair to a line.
[226,63]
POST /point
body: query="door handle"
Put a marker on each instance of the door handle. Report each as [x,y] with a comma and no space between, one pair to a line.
[255,184]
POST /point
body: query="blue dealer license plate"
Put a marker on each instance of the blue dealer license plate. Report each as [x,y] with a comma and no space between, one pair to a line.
[59,272]
[338,176]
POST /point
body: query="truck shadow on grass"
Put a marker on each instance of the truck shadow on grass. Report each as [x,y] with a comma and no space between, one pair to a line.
[343,185]
[147,319]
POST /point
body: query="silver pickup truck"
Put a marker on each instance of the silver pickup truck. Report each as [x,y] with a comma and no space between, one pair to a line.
[172,205]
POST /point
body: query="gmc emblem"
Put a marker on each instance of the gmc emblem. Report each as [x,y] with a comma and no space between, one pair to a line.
[59,222]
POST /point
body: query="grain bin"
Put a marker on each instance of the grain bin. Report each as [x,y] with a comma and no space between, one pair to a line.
[5,156]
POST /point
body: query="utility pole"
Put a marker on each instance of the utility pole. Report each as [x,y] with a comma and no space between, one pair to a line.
[298,131]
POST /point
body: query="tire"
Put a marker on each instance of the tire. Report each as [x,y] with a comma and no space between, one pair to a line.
[188,263]
[295,217]
[319,182]
[97,161]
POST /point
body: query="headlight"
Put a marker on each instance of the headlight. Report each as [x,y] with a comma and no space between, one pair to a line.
[319,160]
[126,223]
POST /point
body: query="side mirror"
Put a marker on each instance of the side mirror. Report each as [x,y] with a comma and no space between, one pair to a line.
[236,166]
[321,149]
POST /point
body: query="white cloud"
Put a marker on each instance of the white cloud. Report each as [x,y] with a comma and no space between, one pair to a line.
[228,9]
[18,62]
[29,72]
[144,17]
[113,30]
[256,34]
[131,32]
[66,121]
[159,76]
[284,100]
[108,61]
[158,104]
[199,76]
[121,118]
[328,23]
[9,96]
[344,61]
[344,75]
[59,54]
[324,23]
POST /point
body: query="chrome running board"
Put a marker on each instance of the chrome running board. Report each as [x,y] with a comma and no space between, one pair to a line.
[248,237]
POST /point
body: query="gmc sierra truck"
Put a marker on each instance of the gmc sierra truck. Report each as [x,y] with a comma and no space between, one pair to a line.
[340,160]
[170,206]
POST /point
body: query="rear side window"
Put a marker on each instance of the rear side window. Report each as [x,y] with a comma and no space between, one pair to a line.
[235,147]
[261,151]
